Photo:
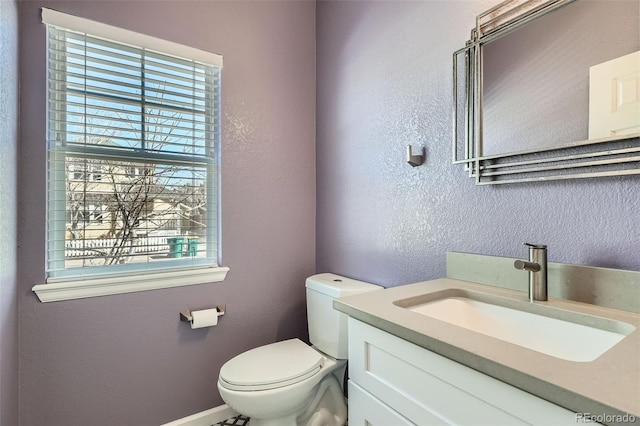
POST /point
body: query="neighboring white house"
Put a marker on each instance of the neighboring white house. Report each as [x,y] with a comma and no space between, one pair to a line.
[109,203]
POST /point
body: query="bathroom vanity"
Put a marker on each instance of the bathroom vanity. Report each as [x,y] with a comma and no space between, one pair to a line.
[426,388]
[410,364]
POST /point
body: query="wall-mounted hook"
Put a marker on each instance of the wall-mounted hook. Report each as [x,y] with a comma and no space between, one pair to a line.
[413,159]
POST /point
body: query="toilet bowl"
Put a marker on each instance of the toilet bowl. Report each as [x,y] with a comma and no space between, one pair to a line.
[282,382]
[290,383]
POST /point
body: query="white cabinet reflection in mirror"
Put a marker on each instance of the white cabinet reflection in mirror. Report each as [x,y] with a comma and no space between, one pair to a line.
[393,381]
[614,97]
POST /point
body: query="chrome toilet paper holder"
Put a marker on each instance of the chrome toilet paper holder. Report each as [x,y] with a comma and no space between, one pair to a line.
[186,315]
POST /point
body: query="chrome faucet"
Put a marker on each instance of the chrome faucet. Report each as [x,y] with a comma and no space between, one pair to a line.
[537,267]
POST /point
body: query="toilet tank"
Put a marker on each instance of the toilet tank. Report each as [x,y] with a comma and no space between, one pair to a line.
[328,327]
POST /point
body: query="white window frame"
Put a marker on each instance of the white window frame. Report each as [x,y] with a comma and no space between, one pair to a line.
[75,287]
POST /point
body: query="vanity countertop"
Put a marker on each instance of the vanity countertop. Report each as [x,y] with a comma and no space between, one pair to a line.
[608,385]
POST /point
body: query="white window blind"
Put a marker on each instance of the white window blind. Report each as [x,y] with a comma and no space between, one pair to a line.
[133,142]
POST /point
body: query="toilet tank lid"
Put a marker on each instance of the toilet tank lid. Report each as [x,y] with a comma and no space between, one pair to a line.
[337,286]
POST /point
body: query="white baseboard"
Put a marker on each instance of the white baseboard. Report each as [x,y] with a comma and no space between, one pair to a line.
[205,418]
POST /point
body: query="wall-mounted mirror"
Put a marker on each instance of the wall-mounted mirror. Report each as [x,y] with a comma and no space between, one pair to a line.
[549,89]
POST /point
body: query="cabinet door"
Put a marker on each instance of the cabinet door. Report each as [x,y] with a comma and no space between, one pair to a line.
[614,97]
[427,388]
[367,410]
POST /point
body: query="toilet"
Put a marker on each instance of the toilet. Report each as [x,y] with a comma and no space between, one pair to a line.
[290,383]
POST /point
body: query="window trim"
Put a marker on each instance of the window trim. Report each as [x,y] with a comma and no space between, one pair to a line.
[68,288]
[109,32]
[80,288]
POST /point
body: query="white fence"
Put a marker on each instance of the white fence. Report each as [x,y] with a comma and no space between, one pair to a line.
[94,247]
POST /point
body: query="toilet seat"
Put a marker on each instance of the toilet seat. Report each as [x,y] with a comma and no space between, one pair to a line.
[271,366]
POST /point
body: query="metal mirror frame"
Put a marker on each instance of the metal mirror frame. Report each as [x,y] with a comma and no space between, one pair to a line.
[614,156]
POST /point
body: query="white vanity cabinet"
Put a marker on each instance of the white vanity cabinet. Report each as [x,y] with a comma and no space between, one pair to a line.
[395,382]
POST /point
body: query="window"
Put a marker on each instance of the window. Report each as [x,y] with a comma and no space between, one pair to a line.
[133,142]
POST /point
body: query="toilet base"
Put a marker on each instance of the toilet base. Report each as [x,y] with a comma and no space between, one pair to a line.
[328,408]
[283,421]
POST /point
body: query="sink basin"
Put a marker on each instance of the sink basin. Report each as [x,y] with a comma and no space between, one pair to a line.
[560,333]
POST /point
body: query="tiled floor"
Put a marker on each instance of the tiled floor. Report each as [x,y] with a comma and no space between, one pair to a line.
[234,421]
[241,421]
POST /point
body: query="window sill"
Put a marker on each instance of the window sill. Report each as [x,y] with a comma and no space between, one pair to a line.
[129,283]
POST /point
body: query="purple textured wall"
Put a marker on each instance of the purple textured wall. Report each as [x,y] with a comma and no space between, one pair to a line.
[8,212]
[126,359]
[384,81]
